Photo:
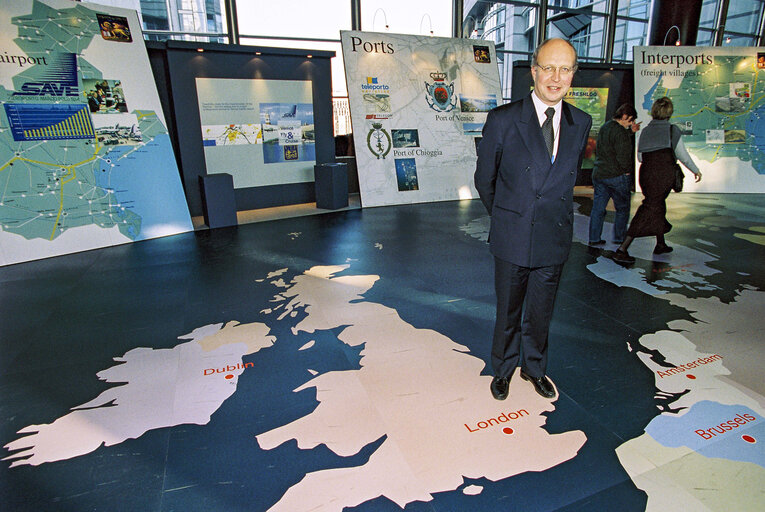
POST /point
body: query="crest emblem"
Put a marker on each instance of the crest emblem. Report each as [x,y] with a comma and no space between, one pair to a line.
[440,94]
[379,141]
[290,152]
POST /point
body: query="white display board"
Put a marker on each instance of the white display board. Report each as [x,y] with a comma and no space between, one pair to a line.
[259,131]
[716,93]
[85,157]
[418,105]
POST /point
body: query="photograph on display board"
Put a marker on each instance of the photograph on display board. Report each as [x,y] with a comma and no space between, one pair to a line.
[737,99]
[288,132]
[405,138]
[406,174]
[472,129]
[114,28]
[686,128]
[118,130]
[482,54]
[477,104]
[104,96]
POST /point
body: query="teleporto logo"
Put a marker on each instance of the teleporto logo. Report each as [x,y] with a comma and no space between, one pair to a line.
[379,141]
[440,96]
[59,80]
[372,85]
[726,426]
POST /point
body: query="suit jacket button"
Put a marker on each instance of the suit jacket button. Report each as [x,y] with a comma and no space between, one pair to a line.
[562,198]
[539,196]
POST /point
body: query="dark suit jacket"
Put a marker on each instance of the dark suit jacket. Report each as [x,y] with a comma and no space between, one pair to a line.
[530,199]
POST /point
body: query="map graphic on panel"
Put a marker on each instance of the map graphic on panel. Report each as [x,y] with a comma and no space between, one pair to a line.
[717,94]
[86,159]
[418,105]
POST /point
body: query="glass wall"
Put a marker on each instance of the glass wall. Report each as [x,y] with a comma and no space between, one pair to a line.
[511,24]
[707,22]
[631,28]
[581,22]
[585,22]
[305,19]
[265,24]
[188,20]
[742,22]
[420,17]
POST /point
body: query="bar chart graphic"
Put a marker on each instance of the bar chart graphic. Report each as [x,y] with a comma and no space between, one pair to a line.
[31,121]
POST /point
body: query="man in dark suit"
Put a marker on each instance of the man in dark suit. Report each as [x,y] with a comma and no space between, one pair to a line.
[528,161]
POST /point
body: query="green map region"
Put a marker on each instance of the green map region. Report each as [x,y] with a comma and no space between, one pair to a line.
[719,107]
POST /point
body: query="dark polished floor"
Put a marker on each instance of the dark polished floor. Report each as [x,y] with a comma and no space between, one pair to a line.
[339,361]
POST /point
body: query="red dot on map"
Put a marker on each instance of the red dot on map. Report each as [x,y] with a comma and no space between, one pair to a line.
[507,430]
[229,376]
[749,439]
[691,376]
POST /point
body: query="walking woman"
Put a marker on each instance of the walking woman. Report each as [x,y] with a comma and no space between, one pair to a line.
[659,148]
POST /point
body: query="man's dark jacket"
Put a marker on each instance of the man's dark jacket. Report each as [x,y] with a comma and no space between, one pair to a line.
[530,199]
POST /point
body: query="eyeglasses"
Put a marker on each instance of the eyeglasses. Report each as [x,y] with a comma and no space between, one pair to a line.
[550,70]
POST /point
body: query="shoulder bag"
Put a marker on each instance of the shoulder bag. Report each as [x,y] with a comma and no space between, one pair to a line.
[679,176]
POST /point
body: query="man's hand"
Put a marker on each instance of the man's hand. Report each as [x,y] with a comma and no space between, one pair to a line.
[635,126]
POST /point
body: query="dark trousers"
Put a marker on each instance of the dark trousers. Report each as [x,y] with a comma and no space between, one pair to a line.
[525,300]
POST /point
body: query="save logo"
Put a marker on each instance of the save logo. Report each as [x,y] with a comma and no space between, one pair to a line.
[58,79]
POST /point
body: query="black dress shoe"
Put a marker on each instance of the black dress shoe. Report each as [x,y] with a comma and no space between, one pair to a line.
[621,256]
[662,249]
[542,385]
[499,387]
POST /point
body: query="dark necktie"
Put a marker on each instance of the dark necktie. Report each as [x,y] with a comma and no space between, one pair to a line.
[547,131]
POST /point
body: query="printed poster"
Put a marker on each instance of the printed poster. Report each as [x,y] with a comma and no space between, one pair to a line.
[715,93]
[85,156]
[418,105]
[259,131]
[592,100]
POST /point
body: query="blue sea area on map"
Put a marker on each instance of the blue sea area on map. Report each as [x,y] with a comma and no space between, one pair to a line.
[755,126]
[155,196]
[648,97]
[675,431]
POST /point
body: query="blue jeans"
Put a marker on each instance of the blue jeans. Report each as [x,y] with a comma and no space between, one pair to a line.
[618,189]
